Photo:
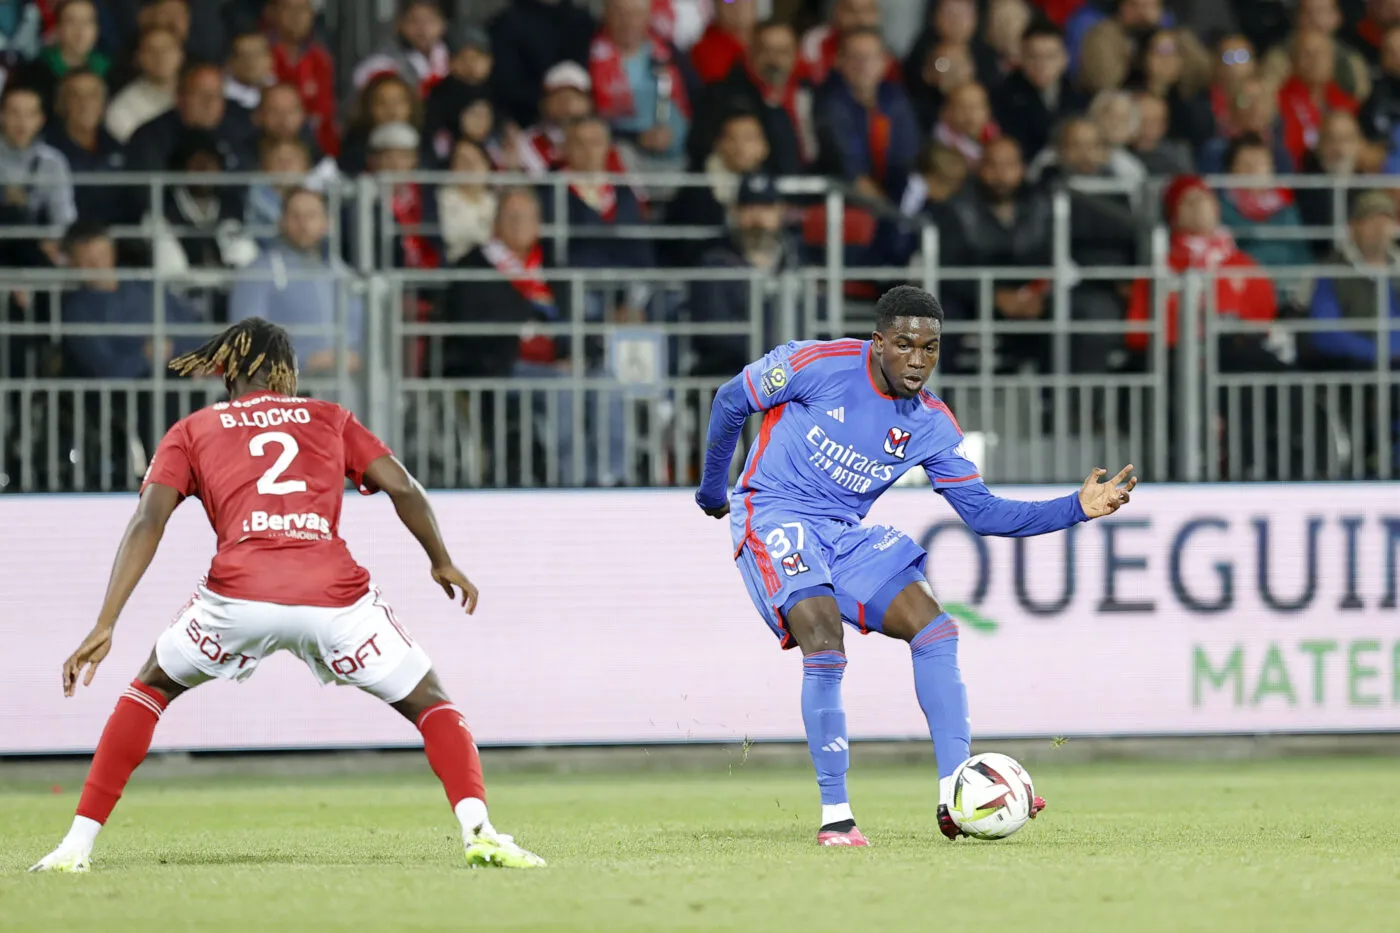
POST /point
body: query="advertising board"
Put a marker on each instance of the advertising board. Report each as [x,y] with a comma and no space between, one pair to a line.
[618,617]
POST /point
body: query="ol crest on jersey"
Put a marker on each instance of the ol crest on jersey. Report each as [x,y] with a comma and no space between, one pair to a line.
[793,564]
[896,440]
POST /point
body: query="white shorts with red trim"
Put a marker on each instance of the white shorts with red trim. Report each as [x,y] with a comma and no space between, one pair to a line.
[362,645]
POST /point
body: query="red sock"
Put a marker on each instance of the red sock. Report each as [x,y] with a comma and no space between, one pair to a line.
[122,748]
[448,744]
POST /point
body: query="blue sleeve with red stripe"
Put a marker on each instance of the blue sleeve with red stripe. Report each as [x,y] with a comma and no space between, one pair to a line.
[789,372]
[960,482]
[987,514]
[950,468]
[784,375]
[731,408]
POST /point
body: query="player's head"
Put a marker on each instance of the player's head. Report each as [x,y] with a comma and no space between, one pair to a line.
[252,354]
[908,334]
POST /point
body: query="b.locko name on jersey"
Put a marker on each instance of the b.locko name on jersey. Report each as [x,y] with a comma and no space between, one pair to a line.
[265,419]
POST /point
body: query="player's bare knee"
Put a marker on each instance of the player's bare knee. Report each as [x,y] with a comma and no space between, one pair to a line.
[824,637]
[153,676]
[427,694]
[910,612]
[816,625]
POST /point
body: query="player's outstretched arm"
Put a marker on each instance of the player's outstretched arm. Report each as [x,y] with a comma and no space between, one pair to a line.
[987,514]
[134,554]
[732,407]
[387,475]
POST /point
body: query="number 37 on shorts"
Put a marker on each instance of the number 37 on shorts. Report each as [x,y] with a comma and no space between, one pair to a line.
[783,554]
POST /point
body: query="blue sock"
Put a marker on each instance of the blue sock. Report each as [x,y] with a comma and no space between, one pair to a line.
[825,720]
[941,693]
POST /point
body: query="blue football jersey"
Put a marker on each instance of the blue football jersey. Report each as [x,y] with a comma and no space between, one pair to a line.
[831,442]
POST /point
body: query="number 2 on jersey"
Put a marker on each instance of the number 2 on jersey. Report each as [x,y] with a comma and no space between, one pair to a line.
[268,483]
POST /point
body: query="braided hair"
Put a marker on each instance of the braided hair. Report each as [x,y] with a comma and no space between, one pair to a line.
[253,347]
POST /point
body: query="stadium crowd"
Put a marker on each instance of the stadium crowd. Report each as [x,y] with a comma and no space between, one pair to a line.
[972,128]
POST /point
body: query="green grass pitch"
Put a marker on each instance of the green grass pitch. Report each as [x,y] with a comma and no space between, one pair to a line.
[1277,845]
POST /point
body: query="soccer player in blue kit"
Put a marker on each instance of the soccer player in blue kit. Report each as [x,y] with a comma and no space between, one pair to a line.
[842,420]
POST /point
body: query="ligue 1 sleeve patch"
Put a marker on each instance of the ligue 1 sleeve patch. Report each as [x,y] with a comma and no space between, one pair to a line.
[773,380]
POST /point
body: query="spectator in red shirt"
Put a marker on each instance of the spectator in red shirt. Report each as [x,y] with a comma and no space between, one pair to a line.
[568,95]
[1306,97]
[639,85]
[726,42]
[299,59]
[1198,241]
[766,82]
[1324,16]
[866,125]
[1368,35]
[1234,65]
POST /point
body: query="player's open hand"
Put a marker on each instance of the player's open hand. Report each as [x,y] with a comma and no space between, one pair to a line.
[453,580]
[89,654]
[1099,498]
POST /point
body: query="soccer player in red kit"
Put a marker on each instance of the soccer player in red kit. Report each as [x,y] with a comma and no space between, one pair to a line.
[270,469]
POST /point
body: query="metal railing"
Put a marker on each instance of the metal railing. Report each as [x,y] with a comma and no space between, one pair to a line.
[630,404]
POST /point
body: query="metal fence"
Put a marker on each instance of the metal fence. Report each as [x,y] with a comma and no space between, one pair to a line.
[631,402]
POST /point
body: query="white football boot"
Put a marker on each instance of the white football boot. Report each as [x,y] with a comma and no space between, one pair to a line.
[66,858]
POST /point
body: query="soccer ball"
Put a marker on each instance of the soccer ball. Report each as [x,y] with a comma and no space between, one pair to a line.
[992,796]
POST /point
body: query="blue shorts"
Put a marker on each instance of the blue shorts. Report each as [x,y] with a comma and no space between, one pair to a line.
[786,557]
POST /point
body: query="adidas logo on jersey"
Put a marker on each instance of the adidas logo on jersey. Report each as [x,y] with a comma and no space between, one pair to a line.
[839,414]
[839,744]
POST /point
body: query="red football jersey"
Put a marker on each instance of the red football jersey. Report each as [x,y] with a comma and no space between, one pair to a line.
[271,473]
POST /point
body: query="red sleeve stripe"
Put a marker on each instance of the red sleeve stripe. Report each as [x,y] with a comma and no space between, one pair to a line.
[825,345]
[765,563]
[959,479]
[840,342]
[937,404]
[765,434]
[753,395]
[824,355]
